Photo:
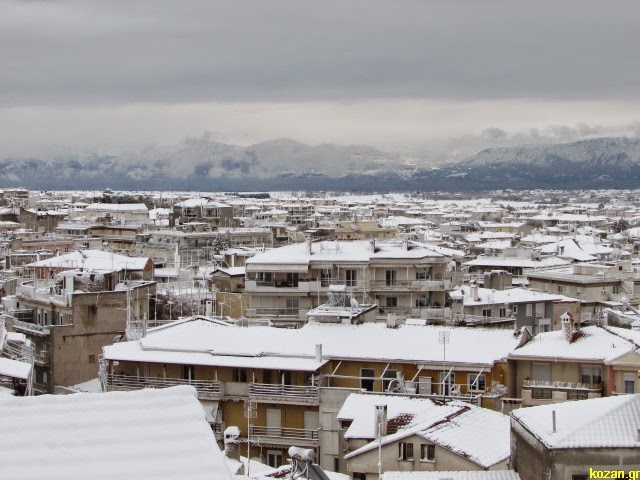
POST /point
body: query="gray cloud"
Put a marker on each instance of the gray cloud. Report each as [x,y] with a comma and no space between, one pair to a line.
[83,52]
[406,75]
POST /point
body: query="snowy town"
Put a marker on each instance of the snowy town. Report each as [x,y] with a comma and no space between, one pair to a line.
[320,335]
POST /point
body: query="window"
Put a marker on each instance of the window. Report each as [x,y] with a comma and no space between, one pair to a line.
[292,305]
[427,453]
[477,382]
[421,274]
[274,458]
[616,289]
[486,312]
[503,312]
[240,375]
[264,277]
[541,372]
[405,451]
[350,277]
[591,375]
[451,379]
[391,301]
[92,359]
[188,372]
[345,424]
[325,277]
[528,310]
[514,309]
[629,383]
[286,377]
[367,378]
[421,302]
[292,279]
[390,277]
[560,288]
[387,377]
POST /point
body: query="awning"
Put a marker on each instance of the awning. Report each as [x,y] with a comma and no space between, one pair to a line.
[266,267]
[210,409]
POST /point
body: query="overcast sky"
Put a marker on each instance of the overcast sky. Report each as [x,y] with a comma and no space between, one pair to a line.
[396,74]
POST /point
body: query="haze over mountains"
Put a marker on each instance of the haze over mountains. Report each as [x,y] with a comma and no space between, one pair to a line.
[203,164]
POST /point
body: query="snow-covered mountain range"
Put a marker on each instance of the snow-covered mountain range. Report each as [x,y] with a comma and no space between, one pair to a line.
[203,164]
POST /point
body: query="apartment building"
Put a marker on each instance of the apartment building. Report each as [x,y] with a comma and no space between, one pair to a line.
[72,306]
[511,307]
[119,213]
[595,438]
[590,282]
[400,433]
[292,382]
[574,364]
[202,209]
[198,248]
[410,281]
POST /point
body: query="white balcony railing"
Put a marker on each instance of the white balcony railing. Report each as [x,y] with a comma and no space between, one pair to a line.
[205,388]
[32,327]
[286,435]
[284,393]
[536,392]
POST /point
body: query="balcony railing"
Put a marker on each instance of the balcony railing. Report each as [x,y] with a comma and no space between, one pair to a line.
[41,358]
[287,436]
[275,312]
[279,393]
[206,388]
[535,392]
[32,327]
[411,285]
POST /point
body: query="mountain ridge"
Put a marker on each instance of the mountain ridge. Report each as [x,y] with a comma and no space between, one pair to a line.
[284,164]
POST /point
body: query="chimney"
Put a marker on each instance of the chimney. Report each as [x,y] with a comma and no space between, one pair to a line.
[381,421]
[231,443]
[636,326]
[391,320]
[553,420]
[474,291]
[567,326]
[318,352]
[308,243]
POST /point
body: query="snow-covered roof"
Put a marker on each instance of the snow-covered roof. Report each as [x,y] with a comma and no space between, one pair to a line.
[593,343]
[487,261]
[14,368]
[488,296]
[339,251]
[204,343]
[608,422]
[232,271]
[117,207]
[478,434]
[568,248]
[200,202]
[461,475]
[93,261]
[150,433]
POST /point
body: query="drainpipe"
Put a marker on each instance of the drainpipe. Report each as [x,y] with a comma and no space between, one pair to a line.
[610,381]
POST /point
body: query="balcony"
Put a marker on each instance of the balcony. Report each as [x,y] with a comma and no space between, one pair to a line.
[277,286]
[411,285]
[286,436]
[207,389]
[43,293]
[541,392]
[280,313]
[33,328]
[41,358]
[278,393]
